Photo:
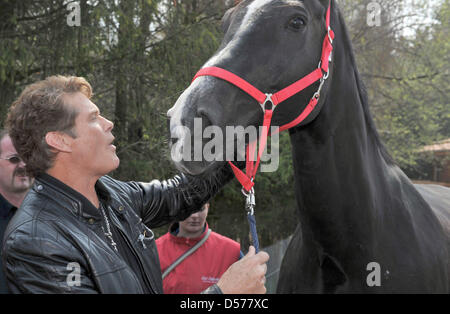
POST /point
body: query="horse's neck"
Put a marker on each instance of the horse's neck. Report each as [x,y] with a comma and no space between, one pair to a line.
[356,206]
[341,173]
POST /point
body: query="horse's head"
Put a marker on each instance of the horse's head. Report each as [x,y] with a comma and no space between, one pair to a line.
[268,43]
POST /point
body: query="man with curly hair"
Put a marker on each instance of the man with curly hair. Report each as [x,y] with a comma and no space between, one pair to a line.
[81,231]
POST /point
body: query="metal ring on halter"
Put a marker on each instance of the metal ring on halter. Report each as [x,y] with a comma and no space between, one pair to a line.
[252,191]
[267,100]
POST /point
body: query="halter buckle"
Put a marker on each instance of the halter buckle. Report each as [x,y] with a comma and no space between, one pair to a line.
[266,102]
[329,35]
[322,82]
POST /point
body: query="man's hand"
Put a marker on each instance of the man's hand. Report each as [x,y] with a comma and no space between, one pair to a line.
[246,276]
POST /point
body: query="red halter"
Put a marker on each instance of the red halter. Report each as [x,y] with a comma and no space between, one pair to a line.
[265,99]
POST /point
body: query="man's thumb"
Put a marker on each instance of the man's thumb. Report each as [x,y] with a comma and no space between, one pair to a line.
[251,251]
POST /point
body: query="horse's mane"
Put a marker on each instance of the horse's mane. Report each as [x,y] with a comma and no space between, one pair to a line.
[362,92]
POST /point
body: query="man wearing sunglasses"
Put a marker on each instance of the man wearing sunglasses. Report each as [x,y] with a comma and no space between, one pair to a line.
[14,185]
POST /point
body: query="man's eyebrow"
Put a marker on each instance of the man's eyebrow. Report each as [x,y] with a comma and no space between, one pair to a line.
[94,112]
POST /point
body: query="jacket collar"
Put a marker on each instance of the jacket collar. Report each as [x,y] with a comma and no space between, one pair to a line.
[70,198]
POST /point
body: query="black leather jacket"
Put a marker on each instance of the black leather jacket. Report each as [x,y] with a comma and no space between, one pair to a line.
[55,242]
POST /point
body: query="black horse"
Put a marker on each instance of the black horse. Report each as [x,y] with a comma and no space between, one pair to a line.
[360,216]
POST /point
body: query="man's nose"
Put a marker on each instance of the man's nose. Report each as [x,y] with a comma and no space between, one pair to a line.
[109,125]
[21,164]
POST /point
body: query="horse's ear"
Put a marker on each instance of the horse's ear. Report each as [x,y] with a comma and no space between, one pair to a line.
[226,19]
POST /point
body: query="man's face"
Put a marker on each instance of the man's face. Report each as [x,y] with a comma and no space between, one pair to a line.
[92,150]
[195,222]
[12,176]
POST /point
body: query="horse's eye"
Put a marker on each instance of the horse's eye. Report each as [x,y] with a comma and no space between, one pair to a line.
[297,22]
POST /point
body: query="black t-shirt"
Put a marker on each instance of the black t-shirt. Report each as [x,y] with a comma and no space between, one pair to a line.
[123,248]
[6,212]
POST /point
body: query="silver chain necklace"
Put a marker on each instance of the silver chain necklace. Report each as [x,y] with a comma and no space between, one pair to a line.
[108,234]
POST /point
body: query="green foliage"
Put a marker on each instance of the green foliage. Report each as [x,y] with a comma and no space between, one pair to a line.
[407,77]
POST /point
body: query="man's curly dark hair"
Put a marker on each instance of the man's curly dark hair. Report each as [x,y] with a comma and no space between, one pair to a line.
[40,109]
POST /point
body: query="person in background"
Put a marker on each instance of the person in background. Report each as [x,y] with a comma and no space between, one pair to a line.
[204,266]
[14,185]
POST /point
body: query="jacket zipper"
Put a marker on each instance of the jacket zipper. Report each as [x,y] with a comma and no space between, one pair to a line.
[147,280]
[127,241]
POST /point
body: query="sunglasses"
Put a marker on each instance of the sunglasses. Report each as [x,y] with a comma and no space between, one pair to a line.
[13,159]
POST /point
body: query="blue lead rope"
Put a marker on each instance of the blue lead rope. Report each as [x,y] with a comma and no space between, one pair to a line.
[254,235]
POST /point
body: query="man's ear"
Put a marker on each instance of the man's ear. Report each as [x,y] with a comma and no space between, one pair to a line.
[59,141]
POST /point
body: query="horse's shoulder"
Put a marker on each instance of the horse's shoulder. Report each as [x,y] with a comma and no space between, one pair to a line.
[438,197]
